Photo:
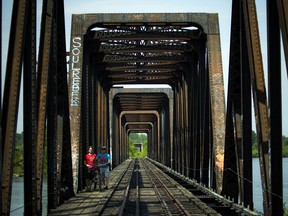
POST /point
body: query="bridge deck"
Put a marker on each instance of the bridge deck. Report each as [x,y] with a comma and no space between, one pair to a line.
[87,203]
[134,190]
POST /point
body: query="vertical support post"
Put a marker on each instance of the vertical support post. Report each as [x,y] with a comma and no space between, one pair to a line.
[30,117]
[217,97]
[43,67]
[259,95]
[246,130]
[1,146]
[171,115]
[11,100]
[75,91]
[275,104]
[283,22]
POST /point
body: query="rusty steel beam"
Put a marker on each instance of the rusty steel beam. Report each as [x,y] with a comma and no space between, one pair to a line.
[283,20]
[232,184]
[259,95]
[1,142]
[11,100]
[275,105]
[57,107]
[217,96]
[30,110]
[137,58]
[74,89]
[43,68]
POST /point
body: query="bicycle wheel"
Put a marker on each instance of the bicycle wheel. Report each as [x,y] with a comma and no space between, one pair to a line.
[100,181]
[95,180]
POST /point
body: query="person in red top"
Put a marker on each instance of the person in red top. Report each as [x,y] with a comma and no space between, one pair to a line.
[90,162]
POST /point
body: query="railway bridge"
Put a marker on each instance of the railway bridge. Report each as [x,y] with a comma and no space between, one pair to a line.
[191,130]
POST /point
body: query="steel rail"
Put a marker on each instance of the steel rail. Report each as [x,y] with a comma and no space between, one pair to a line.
[171,196]
[159,195]
[126,195]
[100,212]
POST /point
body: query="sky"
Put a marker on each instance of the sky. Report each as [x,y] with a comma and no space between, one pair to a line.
[222,7]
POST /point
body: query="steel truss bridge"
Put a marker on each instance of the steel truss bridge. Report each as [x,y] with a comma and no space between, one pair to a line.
[189,127]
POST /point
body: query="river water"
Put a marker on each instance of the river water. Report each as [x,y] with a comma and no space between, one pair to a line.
[18,195]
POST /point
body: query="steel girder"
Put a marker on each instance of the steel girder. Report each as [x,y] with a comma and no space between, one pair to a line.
[43,68]
[245,56]
[216,97]
[59,159]
[11,100]
[30,110]
[35,94]
[282,12]
[233,142]
[259,93]
[275,101]
[121,38]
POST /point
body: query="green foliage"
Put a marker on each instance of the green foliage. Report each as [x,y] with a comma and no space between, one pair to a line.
[133,152]
[137,138]
[19,156]
[285,209]
[255,145]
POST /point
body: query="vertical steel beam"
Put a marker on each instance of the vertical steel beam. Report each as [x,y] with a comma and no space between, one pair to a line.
[1,146]
[43,67]
[246,130]
[275,105]
[193,121]
[186,123]
[171,137]
[206,121]
[30,110]
[232,184]
[11,100]
[197,104]
[57,106]
[85,98]
[177,129]
[75,91]
[191,70]
[64,170]
[99,113]
[182,126]
[259,94]
[217,96]
[283,21]
[52,124]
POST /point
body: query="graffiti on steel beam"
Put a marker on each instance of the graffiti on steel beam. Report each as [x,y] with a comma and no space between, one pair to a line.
[76,70]
[75,76]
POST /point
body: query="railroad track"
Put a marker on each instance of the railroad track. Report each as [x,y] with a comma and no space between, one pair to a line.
[145,190]
[145,187]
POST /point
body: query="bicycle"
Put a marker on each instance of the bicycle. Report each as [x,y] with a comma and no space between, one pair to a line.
[98,179]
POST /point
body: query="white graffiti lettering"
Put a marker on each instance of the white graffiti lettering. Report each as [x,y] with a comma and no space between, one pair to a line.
[76,71]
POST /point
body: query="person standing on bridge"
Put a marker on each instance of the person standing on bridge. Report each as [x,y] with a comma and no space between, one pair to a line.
[90,162]
[104,162]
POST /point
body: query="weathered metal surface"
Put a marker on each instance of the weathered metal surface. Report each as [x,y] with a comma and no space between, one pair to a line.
[11,100]
[74,89]
[283,19]
[234,162]
[275,107]
[259,95]
[43,68]
[217,96]
[140,99]
[123,61]
[30,110]
[175,19]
